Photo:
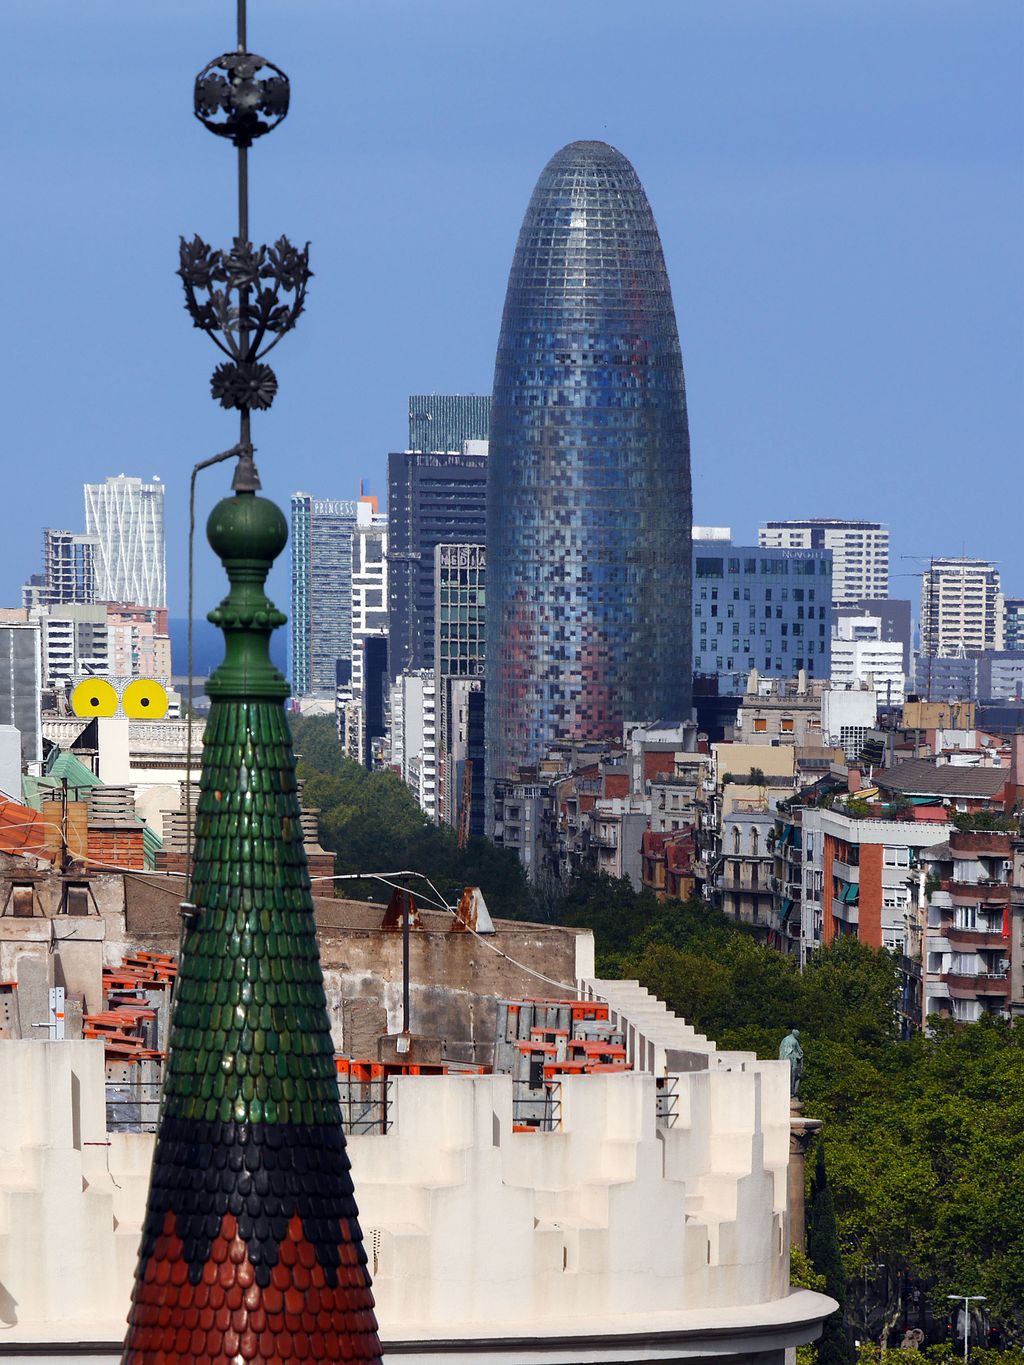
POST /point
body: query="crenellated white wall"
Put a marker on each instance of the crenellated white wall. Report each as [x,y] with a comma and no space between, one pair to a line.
[614,1223]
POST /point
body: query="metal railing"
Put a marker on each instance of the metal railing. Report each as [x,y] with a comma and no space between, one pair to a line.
[667,1101]
[537,1107]
[366,1106]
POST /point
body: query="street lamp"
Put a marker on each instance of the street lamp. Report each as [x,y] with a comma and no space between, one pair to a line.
[965,1299]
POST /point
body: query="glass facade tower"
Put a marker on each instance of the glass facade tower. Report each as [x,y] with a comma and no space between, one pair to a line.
[588,498]
[321,633]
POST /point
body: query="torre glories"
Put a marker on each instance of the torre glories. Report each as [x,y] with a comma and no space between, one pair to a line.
[588,498]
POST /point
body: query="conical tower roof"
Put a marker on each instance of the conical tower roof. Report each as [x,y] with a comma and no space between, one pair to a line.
[251,1247]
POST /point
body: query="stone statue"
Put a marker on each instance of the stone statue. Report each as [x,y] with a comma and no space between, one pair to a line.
[912,1339]
[790,1051]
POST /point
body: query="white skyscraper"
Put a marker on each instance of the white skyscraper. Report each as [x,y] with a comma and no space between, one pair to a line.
[126,519]
[860,552]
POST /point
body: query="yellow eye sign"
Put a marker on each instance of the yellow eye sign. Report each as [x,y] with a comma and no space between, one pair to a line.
[94,697]
[144,699]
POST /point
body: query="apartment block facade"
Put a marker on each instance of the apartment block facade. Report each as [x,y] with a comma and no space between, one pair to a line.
[860,552]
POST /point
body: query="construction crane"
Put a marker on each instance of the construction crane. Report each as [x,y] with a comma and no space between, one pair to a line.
[465,803]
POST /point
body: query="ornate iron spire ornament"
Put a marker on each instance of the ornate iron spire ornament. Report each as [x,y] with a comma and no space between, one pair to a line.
[251,1248]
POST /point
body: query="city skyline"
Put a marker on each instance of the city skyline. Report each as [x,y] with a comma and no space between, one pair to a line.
[804,168]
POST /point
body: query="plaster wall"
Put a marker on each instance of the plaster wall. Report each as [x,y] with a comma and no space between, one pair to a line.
[472,1230]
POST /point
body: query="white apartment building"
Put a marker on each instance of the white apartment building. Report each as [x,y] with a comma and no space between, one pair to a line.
[847,714]
[75,643]
[413,698]
[369,583]
[125,517]
[860,655]
[961,606]
[860,552]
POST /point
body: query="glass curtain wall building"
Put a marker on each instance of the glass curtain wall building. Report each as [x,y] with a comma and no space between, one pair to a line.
[321,624]
[125,517]
[759,608]
[460,575]
[589,511]
[433,499]
[446,421]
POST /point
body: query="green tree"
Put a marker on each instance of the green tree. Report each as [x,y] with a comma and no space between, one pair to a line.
[823,1254]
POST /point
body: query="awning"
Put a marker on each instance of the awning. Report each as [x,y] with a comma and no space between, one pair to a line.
[786,909]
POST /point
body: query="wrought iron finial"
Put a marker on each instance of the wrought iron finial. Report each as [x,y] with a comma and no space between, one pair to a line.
[235,99]
[239,299]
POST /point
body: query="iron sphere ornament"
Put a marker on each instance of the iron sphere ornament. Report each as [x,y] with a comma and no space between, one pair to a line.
[241,96]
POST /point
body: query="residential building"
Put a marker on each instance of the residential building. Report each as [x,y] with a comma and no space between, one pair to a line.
[861,655]
[369,584]
[894,616]
[967,942]
[588,500]
[69,571]
[414,735]
[769,610]
[779,711]
[442,422]
[1013,623]
[961,606]
[861,873]
[75,644]
[433,499]
[460,577]
[21,668]
[125,519]
[744,888]
[860,552]
[139,645]
[322,534]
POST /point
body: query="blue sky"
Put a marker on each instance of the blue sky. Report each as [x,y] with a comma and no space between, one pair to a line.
[839,186]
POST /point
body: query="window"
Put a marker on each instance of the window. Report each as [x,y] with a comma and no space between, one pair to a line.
[786,725]
[965,917]
[710,568]
[896,857]
[760,723]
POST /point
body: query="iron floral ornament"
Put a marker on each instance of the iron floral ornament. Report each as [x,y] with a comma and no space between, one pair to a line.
[245,300]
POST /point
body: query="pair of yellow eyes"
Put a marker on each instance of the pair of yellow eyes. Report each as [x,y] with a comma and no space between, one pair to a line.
[142,699]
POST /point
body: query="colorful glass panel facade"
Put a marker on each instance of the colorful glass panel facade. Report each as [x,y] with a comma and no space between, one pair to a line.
[589,510]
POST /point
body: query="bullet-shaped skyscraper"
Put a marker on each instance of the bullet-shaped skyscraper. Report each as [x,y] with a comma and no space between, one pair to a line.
[588,496]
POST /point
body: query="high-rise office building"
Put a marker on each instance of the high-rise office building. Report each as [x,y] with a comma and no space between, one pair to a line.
[764,609]
[961,607]
[433,499]
[126,519]
[320,642]
[588,501]
[460,575]
[446,421]
[860,551]
[369,585]
[69,571]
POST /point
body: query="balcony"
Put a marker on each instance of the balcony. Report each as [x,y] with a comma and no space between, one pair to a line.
[974,938]
[997,893]
[966,986]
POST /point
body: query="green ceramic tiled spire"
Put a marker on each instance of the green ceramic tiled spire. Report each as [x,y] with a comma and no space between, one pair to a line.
[250,1170]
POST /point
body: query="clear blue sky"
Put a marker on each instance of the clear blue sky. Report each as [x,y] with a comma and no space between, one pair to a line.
[838,185]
